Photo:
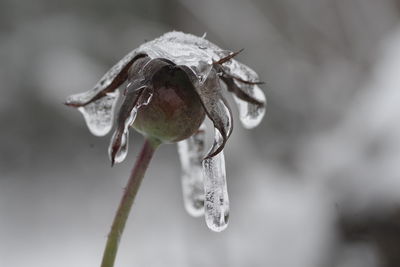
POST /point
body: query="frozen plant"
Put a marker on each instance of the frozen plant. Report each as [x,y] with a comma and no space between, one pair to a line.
[172,83]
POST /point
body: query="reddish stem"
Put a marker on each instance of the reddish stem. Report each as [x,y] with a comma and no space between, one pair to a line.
[128,197]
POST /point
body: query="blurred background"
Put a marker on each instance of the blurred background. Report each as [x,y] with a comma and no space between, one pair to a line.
[316,184]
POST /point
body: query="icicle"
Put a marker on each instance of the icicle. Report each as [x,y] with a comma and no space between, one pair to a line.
[216,193]
[191,153]
[100,113]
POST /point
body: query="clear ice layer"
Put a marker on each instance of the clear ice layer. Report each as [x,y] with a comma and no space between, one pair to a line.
[250,114]
[216,193]
[191,153]
[99,115]
[122,151]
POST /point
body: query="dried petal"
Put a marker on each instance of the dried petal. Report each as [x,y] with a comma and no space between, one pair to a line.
[215,106]
[134,99]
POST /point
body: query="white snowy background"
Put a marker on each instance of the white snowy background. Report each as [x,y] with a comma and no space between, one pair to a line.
[326,159]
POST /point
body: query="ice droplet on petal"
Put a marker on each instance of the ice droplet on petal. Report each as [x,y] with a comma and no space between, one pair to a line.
[122,150]
[191,152]
[100,113]
[251,114]
[216,193]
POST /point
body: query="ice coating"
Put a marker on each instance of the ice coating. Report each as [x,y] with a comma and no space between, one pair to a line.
[122,151]
[107,84]
[250,114]
[99,114]
[191,153]
[216,193]
[118,148]
[185,49]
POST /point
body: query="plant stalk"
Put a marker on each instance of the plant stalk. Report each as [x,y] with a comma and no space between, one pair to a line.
[125,205]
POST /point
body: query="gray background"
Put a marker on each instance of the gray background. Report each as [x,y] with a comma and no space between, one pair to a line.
[316,184]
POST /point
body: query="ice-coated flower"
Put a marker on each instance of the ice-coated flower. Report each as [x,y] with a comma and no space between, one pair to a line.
[172,83]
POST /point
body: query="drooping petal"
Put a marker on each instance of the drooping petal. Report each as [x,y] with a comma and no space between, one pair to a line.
[215,106]
[243,82]
[97,105]
[216,193]
[251,114]
[134,99]
[110,82]
[99,115]
[191,153]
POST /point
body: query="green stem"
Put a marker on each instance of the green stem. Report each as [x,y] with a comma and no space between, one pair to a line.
[130,192]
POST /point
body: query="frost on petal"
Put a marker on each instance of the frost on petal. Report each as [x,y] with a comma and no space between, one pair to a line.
[215,106]
[216,193]
[134,99]
[99,114]
[191,153]
[249,97]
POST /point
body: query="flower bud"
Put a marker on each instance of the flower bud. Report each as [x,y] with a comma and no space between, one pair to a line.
[175,111]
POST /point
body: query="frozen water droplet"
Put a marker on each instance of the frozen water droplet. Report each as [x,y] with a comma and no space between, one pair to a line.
[216,193]
[250,114]
[123,148]
[191,152]
[100,113]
